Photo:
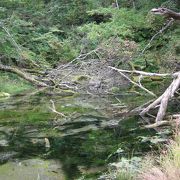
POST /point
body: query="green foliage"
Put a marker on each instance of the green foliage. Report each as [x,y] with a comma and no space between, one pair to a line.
[66,13]
[124,24]
[56,31]
[32,26]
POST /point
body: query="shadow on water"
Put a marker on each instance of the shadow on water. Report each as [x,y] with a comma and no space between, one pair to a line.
[83,142]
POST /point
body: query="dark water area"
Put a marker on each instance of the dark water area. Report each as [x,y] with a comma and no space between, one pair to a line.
[83,142]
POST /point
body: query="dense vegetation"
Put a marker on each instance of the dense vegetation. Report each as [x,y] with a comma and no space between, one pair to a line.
[37,36]
[45,33]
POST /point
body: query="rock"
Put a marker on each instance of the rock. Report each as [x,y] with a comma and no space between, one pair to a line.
[107,177]
[32,169]
[8,130]
[47,143]
[115,166]
[133,164]
[37,141]
[34,133]
[80,119]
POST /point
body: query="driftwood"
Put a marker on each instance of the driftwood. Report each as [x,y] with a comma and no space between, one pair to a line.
[162,101]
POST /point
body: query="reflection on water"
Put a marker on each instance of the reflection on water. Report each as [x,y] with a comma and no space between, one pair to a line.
[83,142]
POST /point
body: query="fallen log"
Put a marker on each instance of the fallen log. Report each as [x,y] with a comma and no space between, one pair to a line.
[162,101]
[23,75]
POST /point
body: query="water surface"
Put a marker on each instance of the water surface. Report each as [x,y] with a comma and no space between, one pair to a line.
[83,142]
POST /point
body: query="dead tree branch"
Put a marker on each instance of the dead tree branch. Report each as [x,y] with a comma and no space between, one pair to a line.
[136,84]
[144,73]
[83,56]
[162,101]
[167,13]
[53,109]
[158,33]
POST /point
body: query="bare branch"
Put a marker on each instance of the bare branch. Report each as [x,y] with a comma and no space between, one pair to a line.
[159,32]
[53,109]
[82,57]
[163,99]
[144,73]
[139,85]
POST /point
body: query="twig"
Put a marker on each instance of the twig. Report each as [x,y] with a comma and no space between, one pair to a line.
[53,108]
[159,32]
[157,124]
[82,57]
[144,73]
